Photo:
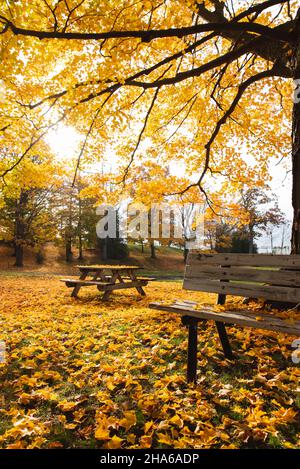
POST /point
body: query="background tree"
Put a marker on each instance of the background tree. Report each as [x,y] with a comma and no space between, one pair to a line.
[76,214]
[241,219]
[259,212]
[26,212]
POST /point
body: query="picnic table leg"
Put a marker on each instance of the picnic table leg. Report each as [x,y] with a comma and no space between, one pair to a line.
[224,340]
[134,279]
[141,291]
[77,287]
[107,293]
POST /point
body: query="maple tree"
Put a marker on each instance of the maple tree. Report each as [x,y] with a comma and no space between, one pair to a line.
[191,76]
[26,205]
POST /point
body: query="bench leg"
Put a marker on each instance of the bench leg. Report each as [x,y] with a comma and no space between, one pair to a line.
[192,353]
[192,324]
[224,340]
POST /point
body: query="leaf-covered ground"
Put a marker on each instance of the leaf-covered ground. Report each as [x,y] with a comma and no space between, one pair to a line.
[82,373]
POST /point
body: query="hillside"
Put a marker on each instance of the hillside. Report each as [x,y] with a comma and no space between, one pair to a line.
[169,262]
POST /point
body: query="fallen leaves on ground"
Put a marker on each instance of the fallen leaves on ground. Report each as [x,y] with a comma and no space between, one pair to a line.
[83,373]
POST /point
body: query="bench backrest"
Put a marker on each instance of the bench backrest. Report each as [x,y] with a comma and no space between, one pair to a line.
[271,277]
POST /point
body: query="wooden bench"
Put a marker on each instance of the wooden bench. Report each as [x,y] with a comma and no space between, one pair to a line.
[267,277]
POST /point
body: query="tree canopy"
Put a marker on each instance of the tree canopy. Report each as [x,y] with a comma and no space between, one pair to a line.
[206,84]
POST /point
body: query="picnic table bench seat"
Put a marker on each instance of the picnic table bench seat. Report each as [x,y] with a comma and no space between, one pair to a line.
[146,279]
[268,277]
[71,282]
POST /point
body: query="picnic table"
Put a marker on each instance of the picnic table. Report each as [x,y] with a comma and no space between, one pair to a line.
[107,278]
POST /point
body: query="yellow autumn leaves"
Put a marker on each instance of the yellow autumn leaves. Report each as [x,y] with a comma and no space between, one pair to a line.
[104,424]
[83,373]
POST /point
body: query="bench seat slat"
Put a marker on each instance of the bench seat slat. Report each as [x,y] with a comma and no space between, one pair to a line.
[263,260]
[268,292]
[242,318]
[247,274]
[146,279]
[71,282]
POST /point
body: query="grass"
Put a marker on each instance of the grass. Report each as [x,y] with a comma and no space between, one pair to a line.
[164,250]
[87,374]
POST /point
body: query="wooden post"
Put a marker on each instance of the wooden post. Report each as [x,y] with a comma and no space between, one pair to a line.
[192,324]
[77,287]
[222,329]
[132,276]
[296,151]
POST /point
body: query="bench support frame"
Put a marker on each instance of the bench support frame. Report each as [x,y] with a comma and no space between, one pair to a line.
[238,275]
[224,340]
[192,324]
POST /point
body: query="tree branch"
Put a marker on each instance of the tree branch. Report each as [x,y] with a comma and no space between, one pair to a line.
[276,34]
[241,89]
[275,52]
[140,135]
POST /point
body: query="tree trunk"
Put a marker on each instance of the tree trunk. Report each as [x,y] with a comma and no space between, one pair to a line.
[14,248]
[19,255]
[296,162]
[152,248]
[185,253]
[79,227]
[69,232]
[251,244]
[69,254]
[20,229]
[80,250]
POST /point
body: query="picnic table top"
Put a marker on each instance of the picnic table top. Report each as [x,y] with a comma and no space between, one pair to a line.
[108,267]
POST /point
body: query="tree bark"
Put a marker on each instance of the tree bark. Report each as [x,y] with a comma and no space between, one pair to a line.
[251,244]
[296,161]
[19,255]
[79,228]
[69,232]
[20,229]
[69,254]
[185,252]
[152,249]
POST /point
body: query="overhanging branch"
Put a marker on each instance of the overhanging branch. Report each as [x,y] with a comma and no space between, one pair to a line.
[276,34]
[241,90]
